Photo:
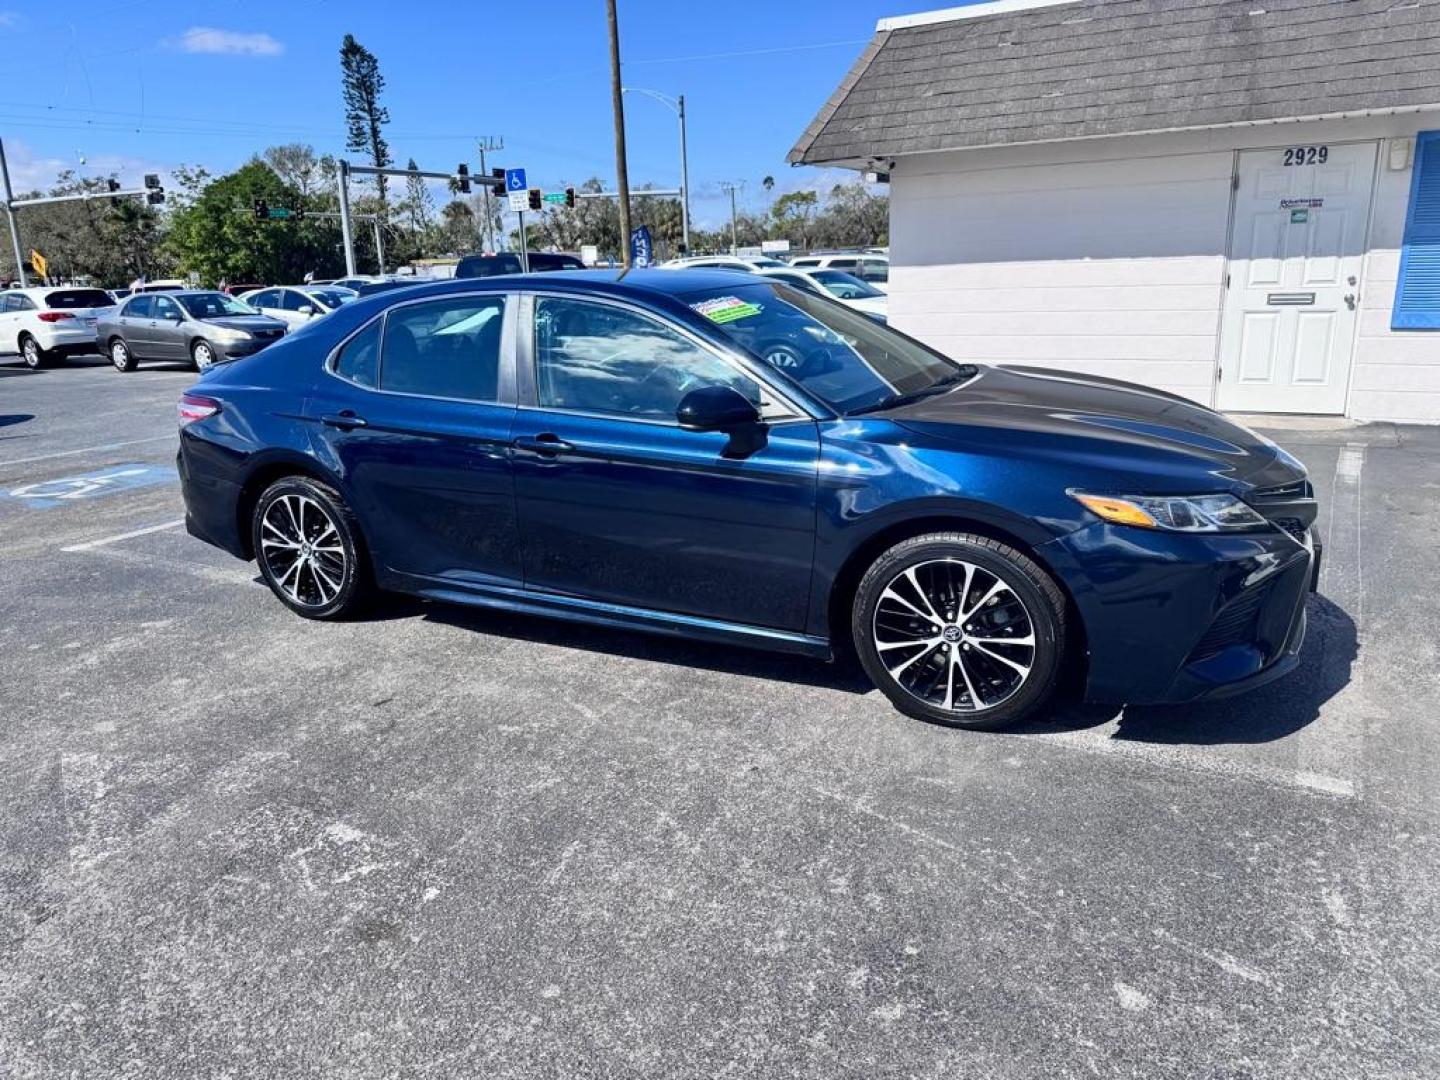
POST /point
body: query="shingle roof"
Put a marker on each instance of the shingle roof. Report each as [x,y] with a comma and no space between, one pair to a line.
[1116,67]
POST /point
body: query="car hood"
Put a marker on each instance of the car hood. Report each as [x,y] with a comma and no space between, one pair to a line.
[1124,427]
[871,305]
[247,322]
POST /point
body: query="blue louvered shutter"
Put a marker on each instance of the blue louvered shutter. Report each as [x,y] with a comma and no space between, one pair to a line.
[1417,293]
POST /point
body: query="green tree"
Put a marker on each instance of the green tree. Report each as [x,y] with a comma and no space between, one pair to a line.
[361,85]
[792,216]
[217,236]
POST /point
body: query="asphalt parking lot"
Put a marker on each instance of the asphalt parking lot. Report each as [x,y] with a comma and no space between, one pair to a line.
[445,842]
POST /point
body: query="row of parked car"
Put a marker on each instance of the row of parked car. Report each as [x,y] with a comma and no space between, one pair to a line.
[164,320]
[203,326]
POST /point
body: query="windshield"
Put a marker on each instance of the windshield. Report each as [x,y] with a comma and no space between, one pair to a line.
[845,286]
[214,305]
[332,298]
[843,357]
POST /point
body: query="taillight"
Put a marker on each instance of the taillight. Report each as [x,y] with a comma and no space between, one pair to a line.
[194,407]
[55,316]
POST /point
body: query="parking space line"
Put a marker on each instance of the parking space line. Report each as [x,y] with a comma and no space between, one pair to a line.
[92,544]
[84,450]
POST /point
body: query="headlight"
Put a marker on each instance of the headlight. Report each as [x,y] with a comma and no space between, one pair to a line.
[224,333]
[1180,513]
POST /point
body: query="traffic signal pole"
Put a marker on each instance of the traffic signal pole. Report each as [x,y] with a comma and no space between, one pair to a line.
[152,191]
[346,234]
[342,179]
[10,216]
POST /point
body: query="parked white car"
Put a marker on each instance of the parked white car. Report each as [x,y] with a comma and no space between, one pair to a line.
[838,285]
[46,324]
[724,262]
[295,305]
[867,266]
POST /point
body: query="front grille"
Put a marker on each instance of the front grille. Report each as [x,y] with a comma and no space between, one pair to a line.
[1235,625]
[1296,489]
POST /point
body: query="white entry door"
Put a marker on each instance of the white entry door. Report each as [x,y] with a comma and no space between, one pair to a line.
[1296,250]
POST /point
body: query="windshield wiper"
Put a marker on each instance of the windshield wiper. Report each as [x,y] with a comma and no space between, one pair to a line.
[963,374]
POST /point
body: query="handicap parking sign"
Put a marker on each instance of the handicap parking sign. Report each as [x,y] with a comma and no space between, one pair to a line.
[515,180]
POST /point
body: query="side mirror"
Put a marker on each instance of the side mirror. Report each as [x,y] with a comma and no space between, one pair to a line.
[716,408]
[307,309]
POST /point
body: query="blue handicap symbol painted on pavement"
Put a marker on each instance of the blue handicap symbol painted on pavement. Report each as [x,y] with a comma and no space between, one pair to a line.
[515,180]
[70,489]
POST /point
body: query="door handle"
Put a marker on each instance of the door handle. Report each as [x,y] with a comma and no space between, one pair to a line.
[1350,299]
[546,443]
[345,420]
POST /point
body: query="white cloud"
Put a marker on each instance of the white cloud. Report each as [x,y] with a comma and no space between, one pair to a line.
[9,19]
[205,39]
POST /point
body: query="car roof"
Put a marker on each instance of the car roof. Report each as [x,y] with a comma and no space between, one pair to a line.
[637,284]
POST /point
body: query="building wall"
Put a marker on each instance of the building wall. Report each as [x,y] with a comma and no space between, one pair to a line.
[1108,256]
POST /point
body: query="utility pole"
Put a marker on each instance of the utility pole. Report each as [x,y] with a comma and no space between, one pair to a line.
[10,216]
[730,186]
[617,103]
[684,182]
[492,143]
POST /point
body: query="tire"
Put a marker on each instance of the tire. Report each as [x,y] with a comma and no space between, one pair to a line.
[34,356]
[327,576]
[202,354]
[962,669]
[121,358]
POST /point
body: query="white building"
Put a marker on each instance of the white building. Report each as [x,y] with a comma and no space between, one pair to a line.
[1234,201]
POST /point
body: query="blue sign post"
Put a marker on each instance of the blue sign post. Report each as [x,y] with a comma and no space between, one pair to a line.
[515,180]
[641,251]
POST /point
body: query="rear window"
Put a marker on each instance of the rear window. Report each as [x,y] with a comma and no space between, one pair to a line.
[78,298]
[487,266]
[540,260]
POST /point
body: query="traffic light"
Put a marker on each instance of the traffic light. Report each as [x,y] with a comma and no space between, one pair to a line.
[570,197]
[463,172]
[298,214]
[112,184]
[262,210]
[152,181]
[534,198]
[155,198]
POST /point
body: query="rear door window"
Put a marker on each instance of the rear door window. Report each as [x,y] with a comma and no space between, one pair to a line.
[142,307]
[267,298]
[446,348]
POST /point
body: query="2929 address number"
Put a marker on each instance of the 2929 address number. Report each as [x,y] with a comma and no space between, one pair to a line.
[1307,155]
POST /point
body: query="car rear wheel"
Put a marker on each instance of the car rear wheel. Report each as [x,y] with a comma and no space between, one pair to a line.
[309,548]
[202,354]
[960,629]
[121,357]
[34,356]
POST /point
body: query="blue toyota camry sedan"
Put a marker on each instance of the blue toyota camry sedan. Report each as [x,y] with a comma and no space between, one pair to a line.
[723,457]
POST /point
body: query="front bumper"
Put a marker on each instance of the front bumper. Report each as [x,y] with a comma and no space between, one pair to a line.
[234,350]
[1174,617]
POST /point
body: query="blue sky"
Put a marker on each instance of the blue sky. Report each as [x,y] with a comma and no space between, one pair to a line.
[134,85]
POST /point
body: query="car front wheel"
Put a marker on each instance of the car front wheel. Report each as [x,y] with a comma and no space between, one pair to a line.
[121,358]
[309,548]
[202,353]
[960,629]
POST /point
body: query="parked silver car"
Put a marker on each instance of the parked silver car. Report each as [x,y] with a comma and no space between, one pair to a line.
[202,327]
